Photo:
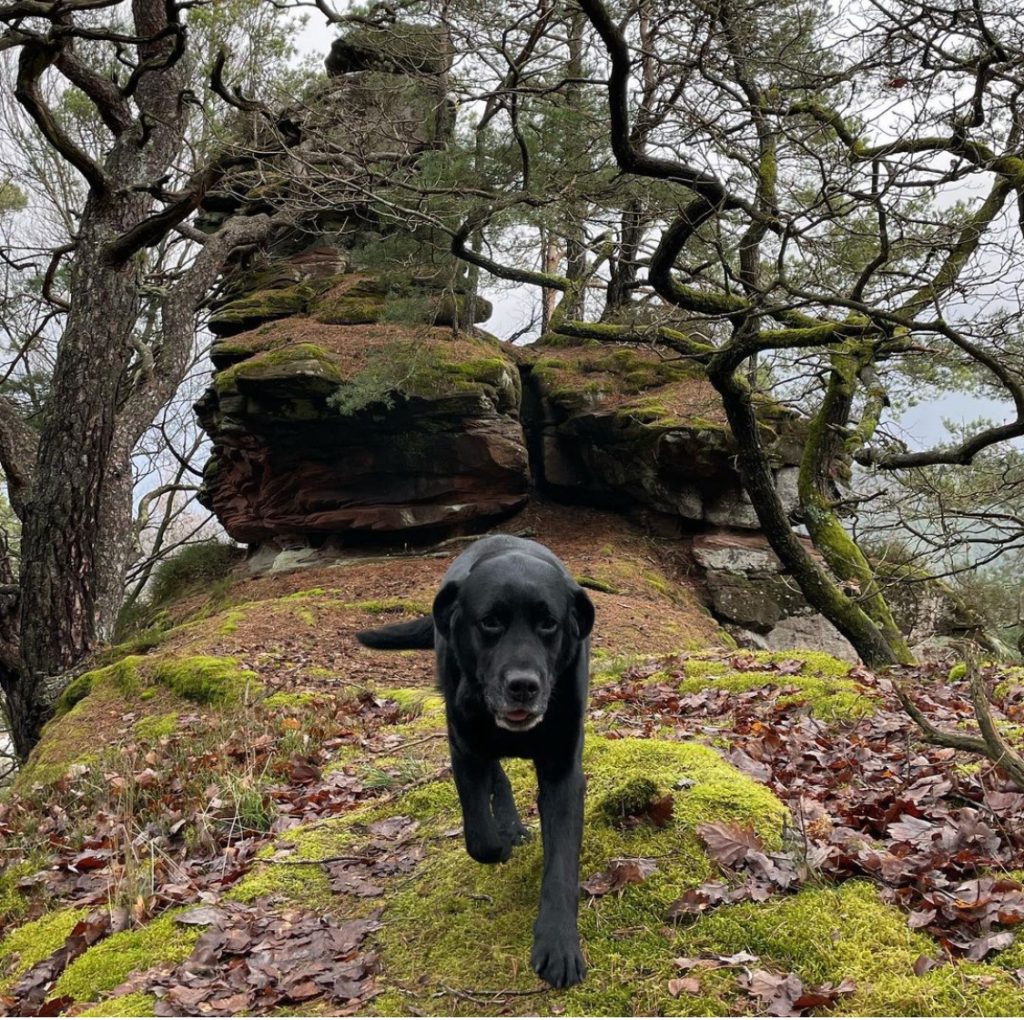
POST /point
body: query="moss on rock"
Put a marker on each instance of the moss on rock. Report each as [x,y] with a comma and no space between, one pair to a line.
[70,738]
[349,309]
[294,370]
[206,679]
[261,306]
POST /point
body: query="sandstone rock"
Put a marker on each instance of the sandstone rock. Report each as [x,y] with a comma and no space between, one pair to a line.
[398,48]
[813,633]
[330,430]
[732,509]
[746,638]
[622,426]
[735,552]
[736,598]
[757,602]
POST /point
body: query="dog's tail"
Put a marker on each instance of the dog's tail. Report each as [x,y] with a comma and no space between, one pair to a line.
[412,634]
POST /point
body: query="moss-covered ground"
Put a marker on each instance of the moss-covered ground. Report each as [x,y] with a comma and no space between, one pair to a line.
[253,720]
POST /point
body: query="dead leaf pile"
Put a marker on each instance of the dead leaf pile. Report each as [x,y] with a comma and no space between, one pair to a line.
[251,961]
[786,995]
[391,852]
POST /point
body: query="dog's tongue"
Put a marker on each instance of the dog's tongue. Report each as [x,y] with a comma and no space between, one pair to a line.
[519,715]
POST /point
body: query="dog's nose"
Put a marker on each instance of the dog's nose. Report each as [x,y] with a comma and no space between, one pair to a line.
[522,687]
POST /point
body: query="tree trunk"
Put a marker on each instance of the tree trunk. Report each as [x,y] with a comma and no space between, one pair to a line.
[819,589]
[825,446]
[66,559]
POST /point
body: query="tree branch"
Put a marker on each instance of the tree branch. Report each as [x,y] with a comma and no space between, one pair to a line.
[18,443]
[34,59]
[105,95]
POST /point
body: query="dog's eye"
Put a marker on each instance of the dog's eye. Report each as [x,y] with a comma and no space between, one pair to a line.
[548,625]
[491,624]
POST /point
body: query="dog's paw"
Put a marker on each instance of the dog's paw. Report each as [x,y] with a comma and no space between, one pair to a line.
[558,960]
[516,834]
[488,852]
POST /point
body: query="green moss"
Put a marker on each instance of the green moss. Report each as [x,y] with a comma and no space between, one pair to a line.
[289,700]
[958,672]
[829,934]
[106,964]
[154,727]
[823,683]
[136,1004]
[349,309]
[70,737]
[415,702]
[123,676]
[306,593]
[73,693]
[139,644]
[206,679]
[455,903]
[232,618]
[431,368]
[33,942]
[13,903]
[260,305]
[595,585]
[292,370]
[629,799]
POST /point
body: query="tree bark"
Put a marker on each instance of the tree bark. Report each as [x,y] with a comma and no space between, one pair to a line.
[63,557]
[818,588]
[71,484]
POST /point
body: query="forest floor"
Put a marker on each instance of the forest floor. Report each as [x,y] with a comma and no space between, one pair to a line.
[241,810]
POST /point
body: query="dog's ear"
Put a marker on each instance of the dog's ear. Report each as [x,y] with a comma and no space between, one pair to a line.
[582,613]
[444,606]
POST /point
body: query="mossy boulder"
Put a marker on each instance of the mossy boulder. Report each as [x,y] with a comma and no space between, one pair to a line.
[91,702]
[260,306]
[626,427]
[399,48]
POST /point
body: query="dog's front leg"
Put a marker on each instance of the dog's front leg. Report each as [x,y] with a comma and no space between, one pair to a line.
[474,779]
[556,942]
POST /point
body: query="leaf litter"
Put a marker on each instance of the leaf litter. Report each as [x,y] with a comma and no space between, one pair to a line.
[868,797]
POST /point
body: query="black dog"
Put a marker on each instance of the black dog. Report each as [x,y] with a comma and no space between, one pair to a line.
[510,627]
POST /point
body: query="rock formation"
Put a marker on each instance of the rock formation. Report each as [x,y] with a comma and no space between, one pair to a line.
[351,401]
[628,427]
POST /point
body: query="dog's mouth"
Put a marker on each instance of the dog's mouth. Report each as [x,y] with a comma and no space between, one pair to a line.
[518,719]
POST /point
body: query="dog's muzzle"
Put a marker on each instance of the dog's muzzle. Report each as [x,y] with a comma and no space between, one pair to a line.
[521,709]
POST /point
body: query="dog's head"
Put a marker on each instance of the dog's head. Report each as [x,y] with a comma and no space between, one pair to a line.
[516,623]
